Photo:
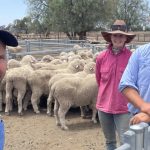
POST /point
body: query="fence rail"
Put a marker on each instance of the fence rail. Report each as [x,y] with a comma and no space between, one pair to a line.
[137,138]
[56,46]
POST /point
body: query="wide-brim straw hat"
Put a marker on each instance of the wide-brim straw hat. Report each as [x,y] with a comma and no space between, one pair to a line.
[8,39]
[119,27]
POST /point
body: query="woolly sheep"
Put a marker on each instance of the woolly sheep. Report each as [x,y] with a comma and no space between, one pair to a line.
[47,58]
[77,92]
[12,63]
[16,78]
[38,81]
[28,59]
[88,69]
[14,49]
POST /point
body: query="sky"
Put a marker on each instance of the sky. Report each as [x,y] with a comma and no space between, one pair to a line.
[11,10]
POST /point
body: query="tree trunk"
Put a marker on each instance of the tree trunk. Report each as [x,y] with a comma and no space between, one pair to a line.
[82,35]
[71,36]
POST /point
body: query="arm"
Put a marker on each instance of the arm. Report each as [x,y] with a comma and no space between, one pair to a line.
[97,70]
[134,98]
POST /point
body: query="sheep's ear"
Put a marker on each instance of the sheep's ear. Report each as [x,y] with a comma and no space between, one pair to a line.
[77,66]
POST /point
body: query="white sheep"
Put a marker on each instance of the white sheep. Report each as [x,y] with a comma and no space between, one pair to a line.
[12,63]
[38,81]
[77,92]
[16,78]
[14,49]
[88,69]
[47,58]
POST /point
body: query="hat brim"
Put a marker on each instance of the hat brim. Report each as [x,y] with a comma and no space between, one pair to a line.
[107,35]
[8,39]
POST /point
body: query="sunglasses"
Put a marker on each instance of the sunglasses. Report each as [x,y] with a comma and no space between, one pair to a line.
[119,27]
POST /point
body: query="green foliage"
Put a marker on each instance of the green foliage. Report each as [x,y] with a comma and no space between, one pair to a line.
[76,17]
[134,12]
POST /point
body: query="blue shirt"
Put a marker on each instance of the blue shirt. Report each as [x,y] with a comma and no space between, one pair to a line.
[137,74]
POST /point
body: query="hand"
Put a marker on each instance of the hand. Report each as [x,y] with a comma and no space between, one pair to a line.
[140,117]
[145,107]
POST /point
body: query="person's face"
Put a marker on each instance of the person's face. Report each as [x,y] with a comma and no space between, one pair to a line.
[118,40]
[3,62]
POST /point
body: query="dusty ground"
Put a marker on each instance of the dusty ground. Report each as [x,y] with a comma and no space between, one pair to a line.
[39,132]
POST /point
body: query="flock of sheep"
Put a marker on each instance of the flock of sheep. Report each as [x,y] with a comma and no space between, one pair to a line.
[67,80]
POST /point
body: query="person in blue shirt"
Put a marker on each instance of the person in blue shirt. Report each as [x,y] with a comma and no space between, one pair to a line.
[135,84]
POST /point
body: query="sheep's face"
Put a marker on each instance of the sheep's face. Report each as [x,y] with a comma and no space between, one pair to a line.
[79,66]
[47,58]
[90,68]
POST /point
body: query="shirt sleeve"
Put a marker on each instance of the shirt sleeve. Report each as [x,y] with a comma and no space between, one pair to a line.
[130,75]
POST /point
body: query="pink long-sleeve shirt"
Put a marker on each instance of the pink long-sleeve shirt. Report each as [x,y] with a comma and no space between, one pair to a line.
[109,69]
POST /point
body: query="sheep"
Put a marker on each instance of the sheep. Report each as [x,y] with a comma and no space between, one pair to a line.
[88,69]
[71,58]
[56,61]
[28,59]
[77,92]
[38,81]
[48,66]
[47,58]
[73,67]
[14,49]
[63,54]
[16,78]
[12,63]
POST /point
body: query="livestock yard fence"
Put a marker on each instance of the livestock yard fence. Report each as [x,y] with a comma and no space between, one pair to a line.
[137,138]
[41,47]
[53,47]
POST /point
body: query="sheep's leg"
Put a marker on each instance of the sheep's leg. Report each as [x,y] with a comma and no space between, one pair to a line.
[8,105]
[94,113]
[34,99]
[49,105]
[26,100]
[82,109]
[19,100]
[56,107]
[63,109]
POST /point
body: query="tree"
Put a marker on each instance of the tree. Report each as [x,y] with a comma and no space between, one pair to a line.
[74,17]
[134,12]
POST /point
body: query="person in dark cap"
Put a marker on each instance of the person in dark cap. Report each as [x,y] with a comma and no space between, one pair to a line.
[110,64]
[6,38]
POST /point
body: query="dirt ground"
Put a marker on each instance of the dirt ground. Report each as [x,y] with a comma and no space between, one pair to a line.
[39,132]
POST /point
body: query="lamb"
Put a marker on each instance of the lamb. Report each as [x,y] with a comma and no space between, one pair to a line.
[39,79]
[77,92]
[88,69]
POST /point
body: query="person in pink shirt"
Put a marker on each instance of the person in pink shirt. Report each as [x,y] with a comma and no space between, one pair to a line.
[110,64]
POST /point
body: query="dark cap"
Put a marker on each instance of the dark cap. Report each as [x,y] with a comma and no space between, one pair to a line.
[8,39]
